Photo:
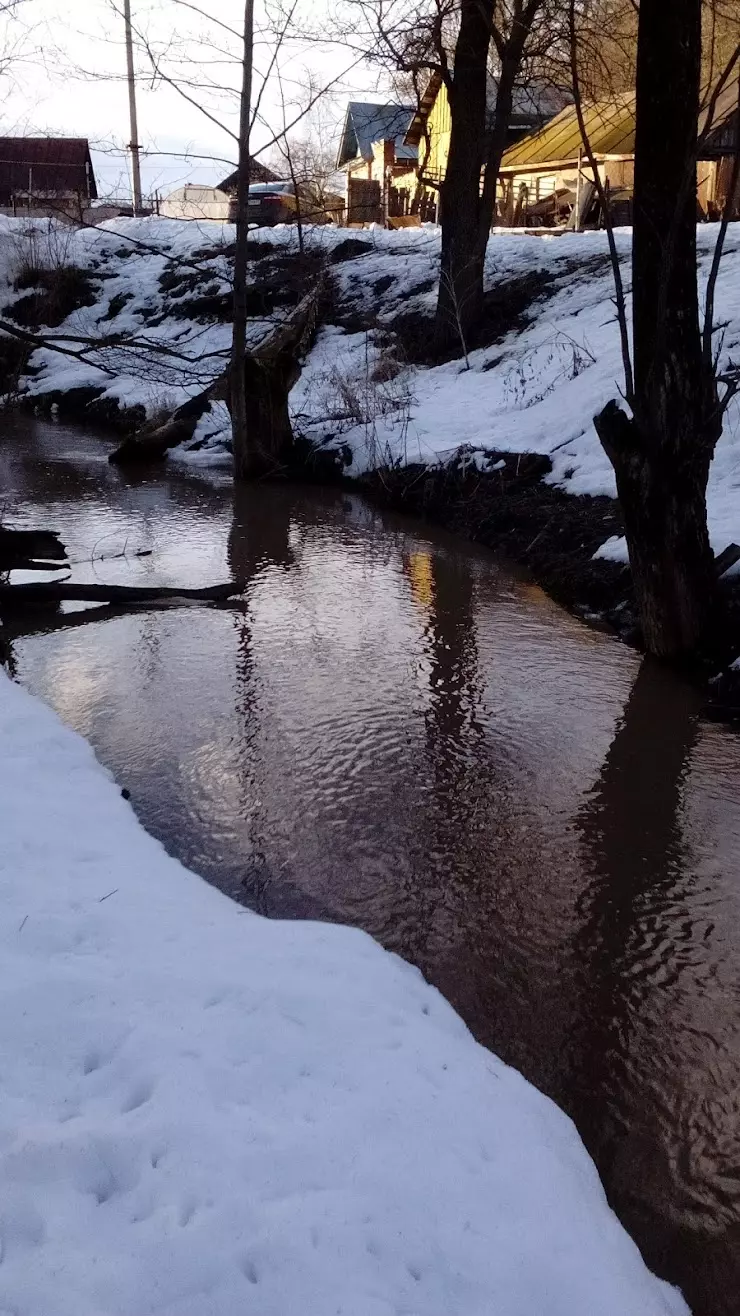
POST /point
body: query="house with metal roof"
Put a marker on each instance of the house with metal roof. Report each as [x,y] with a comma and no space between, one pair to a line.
[373,153]
[543,176]
[547,177]
[534,103]
[46,176]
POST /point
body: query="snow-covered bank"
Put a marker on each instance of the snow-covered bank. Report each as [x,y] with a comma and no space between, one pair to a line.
[535,389]
[207,1112]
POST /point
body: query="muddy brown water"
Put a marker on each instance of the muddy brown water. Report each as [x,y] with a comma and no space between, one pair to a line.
[397,731]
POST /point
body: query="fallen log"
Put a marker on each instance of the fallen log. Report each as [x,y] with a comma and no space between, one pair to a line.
[44,593]
[30,550]
[26,623]
[153,440]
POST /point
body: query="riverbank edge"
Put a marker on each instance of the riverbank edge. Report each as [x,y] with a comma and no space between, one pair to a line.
[554,536]
[511,510]
[103,1043]
[508,507]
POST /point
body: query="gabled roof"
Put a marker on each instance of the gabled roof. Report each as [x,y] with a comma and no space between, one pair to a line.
[416,127]
[534,103]
[45,165]
[258,173]
[610,127]
[366,123]
[718,121]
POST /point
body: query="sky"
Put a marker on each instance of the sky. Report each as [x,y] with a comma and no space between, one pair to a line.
[66,76]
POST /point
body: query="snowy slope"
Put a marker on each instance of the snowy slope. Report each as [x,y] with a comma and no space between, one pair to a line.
[535,391]
[204,1112]
[539,388]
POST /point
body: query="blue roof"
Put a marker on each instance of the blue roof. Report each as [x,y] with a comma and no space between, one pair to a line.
[366,123]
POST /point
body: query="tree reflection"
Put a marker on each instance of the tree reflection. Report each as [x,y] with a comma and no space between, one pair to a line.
[259,538]
[263,525]
[624,1088]
[444,589]
[448,865]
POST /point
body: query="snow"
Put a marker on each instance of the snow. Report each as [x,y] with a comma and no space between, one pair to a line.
[211,442]
[536,390]
[613,550]
[204,1111]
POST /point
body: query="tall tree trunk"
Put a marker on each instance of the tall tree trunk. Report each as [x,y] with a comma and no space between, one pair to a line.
[460,298]
[497,138]
[477,145]
[661,456]
[246,459]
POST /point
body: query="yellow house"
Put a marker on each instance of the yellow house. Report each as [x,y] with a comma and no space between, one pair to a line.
[431,125]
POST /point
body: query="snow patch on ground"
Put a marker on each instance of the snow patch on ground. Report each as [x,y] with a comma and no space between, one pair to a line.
[204,1111]
[211,442]
[614,550]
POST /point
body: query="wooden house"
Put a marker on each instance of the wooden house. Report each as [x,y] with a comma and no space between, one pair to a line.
[46,176]
[373,154]
[429,133]
[546,177]
[719,143]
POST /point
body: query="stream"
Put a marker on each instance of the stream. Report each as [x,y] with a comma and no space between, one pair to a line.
[396,729]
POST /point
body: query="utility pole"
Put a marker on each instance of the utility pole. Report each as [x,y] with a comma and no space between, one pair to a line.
[133,145]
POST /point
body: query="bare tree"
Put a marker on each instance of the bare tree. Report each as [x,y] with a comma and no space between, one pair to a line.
[199,67]
[477,145]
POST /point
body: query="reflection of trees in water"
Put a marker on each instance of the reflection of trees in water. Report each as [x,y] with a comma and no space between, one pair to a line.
[454,682]
[468,896]
[443,589]
[259,535]
[625,1085]
[259,538]
[632,832]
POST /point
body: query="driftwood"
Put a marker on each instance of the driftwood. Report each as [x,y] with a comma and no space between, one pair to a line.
[33,608]
[52,592]
[28,622]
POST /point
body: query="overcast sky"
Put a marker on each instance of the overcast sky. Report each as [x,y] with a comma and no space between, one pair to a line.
[71,81]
